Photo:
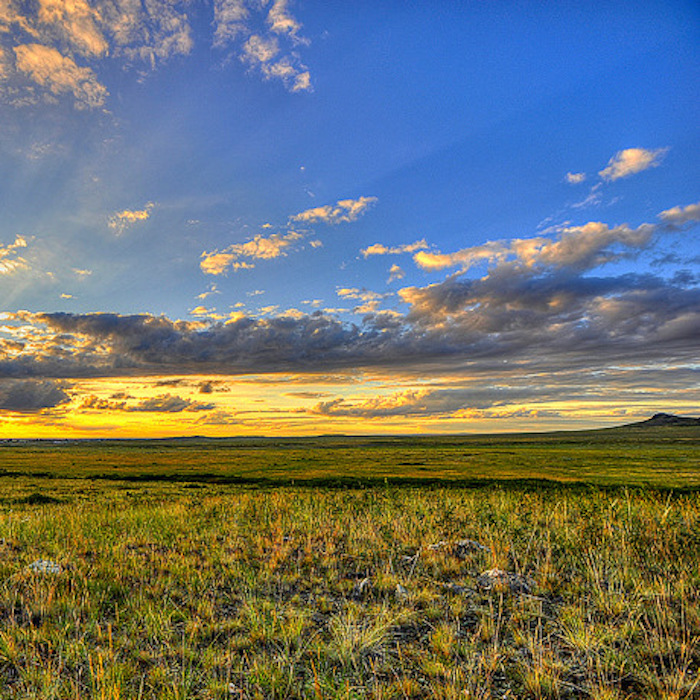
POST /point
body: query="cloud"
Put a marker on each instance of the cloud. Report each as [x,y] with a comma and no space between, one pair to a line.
[370,300]
[343,211]
[44,43]
[541,305]
[632,161]
[163,403]
[258,248]
[575,178]
[167,403]
[466,257]
[427,402]
[381,249]
[575,248]
[31,396]
[10,260]
[122,220]
[395,273]
[282,22]
[59,74]
[261,49]
[77,24]
[677,217]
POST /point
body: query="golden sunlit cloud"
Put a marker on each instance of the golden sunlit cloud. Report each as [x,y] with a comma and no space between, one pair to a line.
[258,248]
[122,220]
[632,161]
[10,260]
[59,74]
[381,249]
[343,211]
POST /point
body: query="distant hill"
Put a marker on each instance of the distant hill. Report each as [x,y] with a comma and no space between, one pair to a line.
[662,419]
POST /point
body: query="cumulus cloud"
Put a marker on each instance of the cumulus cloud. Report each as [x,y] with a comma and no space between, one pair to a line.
[122,220]
[575,248]
[31,396]
[575,178]
[632,161]
[542,304]
[680,217]
[381,249]
[10,260]
[343,211]
[258,248]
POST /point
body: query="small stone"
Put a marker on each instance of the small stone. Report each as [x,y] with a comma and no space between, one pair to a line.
[438,545]
[456,589]
[462,548]
[361,588]
[44,566]
[401,592]
[497,578]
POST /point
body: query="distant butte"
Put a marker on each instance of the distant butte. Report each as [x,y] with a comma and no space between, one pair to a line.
[666,419]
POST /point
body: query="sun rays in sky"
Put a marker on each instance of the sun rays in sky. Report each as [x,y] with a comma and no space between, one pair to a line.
[266,217]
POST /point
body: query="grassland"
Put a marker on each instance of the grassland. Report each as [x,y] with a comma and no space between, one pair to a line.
[338,568]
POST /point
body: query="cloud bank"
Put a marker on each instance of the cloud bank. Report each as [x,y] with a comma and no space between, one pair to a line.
[537,326]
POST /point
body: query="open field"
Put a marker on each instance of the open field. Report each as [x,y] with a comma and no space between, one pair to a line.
[665,457]
[163,576]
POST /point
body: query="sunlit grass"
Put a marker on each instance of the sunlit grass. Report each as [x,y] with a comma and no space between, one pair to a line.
[218,592]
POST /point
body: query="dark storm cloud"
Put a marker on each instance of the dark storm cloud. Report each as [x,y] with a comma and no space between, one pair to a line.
[31,396]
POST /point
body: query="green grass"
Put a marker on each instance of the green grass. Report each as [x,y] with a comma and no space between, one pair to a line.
[199,588]
[659,457]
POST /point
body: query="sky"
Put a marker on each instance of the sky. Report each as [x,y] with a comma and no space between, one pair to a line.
[280,217]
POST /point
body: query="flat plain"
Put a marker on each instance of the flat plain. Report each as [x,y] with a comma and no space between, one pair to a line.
[559,565]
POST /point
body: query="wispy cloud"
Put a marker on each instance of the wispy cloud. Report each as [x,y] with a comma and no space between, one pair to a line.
[575,178]
[122,220]
[45,46]
[260,31]
[632,161]
[381,249]
[47,67]
[369,300]
[343,211]
[395,273]
[258,248]
[10,259]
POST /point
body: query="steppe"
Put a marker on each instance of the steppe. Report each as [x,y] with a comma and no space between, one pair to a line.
[562,565]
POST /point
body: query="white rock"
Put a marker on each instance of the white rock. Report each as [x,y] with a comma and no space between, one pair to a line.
[44,566]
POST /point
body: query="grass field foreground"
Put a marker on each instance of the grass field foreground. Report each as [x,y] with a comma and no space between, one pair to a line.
[172,590]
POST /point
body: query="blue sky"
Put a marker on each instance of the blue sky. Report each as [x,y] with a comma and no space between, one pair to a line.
[379,175]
